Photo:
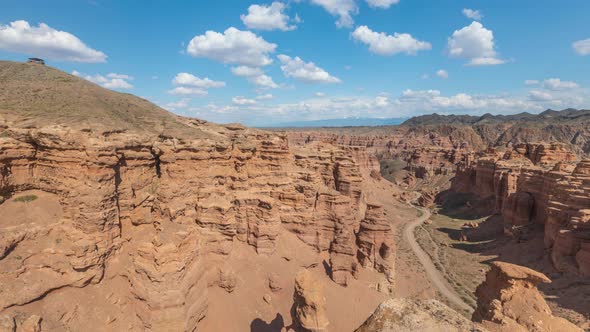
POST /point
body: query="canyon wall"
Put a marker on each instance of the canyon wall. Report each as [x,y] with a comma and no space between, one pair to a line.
[538,183]
[148,214]
[428,153]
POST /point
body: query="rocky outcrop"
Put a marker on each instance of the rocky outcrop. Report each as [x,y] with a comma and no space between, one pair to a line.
[427,197]
[32,323]
[401,315]
[375,242]
[139,209]
[427,153]
[152,210]
[309,304]
[7,324]
[535,184]
[508,300]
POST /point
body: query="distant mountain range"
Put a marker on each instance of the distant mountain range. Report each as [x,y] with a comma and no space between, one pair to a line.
[437,119]
[549,115]
[346,122]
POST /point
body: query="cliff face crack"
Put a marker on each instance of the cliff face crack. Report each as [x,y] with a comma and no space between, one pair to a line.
[336,174]
[118,180]
[157,163]
[40,297]
[33,164]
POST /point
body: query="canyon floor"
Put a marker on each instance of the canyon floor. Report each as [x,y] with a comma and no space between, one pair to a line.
[462,253]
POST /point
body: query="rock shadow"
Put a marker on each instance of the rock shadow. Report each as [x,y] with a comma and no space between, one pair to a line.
[327,268]
[276,325]
[527,248]
[465,206]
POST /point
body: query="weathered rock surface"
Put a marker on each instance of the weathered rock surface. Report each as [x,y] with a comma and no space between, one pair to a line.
[427,152]
[7,324]
[22,323]
[508,300]
[375,242]
[401,315]
[536,184]
[309,304]
[142,210]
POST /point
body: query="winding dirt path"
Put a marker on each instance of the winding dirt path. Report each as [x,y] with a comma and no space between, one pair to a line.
[434,275]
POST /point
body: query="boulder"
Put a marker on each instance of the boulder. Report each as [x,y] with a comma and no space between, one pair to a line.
[402,315]
[508,300]
[309,307]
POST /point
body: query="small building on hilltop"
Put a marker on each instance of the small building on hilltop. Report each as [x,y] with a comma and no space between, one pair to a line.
[36,60]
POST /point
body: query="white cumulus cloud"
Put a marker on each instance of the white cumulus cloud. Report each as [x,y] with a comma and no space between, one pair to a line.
[46,42]
[472,14]
[383,44]
[246,71]
[120,76]
[432,100]
[537,95]
[382,3]
[531,82]
[475,43]
[442,73]
[187,91]
[243,101]
[191,85]
[255,76]
[232,46]
[582,47]
[194,81]
[271,17]
[305,71]
[110,81]
[557,84]
[267,96]
[343,9]
[263,81]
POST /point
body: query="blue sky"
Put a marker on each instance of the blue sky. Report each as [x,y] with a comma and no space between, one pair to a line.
[315,59]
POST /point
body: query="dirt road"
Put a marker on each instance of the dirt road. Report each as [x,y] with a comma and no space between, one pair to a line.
[434,275]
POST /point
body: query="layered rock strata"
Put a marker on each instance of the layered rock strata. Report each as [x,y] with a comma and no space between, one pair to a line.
[538,184]
[151,210]
[428,153]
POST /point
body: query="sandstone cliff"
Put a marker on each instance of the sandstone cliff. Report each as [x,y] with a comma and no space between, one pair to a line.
[538,183]
[136,207]
[429,155]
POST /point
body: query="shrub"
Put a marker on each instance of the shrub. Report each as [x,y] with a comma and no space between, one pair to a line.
[26,198]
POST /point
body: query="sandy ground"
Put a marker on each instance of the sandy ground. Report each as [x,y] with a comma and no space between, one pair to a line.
[245,309]
[434,275]
[465,263]
[411,280]
[40,208]
[347,307]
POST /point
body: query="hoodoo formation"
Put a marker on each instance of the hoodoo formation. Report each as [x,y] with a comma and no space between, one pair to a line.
[118,215]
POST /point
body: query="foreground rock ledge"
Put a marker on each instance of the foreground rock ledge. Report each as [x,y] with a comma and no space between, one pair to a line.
[402,315]
[509,301]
